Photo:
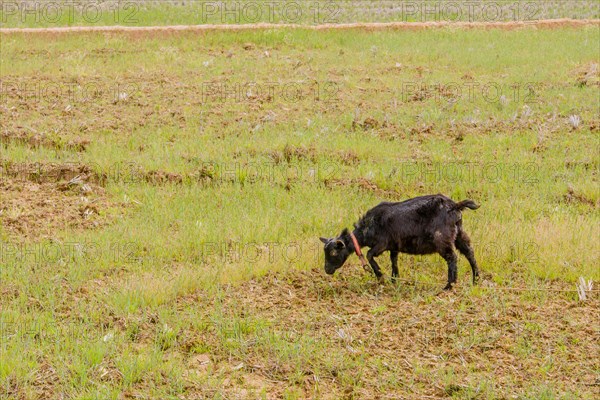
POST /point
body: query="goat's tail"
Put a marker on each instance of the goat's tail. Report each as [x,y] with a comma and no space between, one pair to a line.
[465,204]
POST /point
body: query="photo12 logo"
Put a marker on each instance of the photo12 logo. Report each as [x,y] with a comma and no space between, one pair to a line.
[269,92]
[286,12]
[470,10]
[53,253]
[267,252]
[267,171]
[73,94]
[55,12]
[510,252]
[471,91]
[58,333]
[410,171]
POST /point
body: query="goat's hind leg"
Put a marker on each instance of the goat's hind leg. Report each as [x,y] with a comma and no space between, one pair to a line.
[450,256]
[463,244]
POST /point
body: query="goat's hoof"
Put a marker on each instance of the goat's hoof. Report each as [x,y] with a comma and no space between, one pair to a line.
[381,280]
[448,287]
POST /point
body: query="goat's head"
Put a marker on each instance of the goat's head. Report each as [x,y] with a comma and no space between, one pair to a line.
[336,251]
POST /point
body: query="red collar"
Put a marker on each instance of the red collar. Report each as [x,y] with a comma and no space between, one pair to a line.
[359,253]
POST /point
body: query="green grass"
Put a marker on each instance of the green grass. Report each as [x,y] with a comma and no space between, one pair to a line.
[263,177]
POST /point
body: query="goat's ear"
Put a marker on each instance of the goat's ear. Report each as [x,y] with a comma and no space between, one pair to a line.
[324,240]
[344,232]
[339,244]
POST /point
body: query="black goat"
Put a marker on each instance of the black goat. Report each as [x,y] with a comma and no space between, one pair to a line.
[423,225]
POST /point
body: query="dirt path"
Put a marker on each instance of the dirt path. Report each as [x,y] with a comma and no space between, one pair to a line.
[553,23]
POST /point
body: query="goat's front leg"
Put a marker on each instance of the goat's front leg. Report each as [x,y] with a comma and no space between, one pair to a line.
[394,260]
[371,254]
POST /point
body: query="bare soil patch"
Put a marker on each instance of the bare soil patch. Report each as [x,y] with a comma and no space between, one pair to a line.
[39,200]
[573,197]
[403,337]
[363,184]
[40,140]
[588,75]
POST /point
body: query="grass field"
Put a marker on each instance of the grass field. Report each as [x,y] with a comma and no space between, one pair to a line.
[162,196]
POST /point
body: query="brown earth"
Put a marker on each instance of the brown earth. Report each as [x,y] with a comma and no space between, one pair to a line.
[38,200]
[588,75]
[406,332]
[40,140]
